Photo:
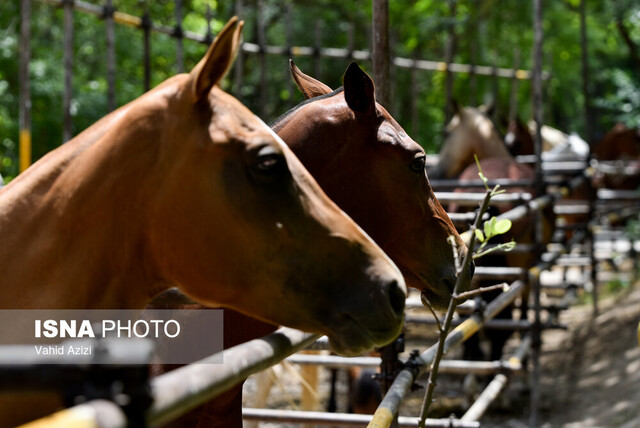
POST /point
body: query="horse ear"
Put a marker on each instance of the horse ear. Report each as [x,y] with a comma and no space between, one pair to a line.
[488,109]
[359,90]
[309,86]
[455,108]
[218,59]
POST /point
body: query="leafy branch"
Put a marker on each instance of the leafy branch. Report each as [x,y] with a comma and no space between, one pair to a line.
[491,228]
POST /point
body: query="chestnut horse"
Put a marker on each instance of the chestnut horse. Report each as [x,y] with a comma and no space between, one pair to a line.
[185,187]
[367,163]
[471,132]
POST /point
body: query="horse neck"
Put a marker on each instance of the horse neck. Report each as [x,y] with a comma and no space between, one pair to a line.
[492,146]
[75,216]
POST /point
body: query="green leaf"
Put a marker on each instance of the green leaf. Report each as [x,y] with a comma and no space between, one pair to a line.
[488,227]
[479,235]
[502,226]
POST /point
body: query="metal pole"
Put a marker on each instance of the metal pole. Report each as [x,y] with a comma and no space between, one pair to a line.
[535,283]
[180,390]
[513,99]
[67,125]
[289,40]
[492,391]
[317,47]
[263,59]
[380,50]
[588,113]
[449,53]
[239,64]
[25,84]
[111,55]
[179,34]
[341,419]
[146,58]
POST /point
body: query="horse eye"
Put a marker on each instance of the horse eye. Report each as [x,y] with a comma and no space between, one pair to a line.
[418,164]
[268,159]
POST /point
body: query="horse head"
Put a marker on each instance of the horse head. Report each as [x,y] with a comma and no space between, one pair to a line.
[185,187]
[373,170]
[469,132]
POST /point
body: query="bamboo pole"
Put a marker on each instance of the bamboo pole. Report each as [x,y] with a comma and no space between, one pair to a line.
[25,85]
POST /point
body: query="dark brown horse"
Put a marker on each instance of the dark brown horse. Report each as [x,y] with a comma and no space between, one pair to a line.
[620,143]
[185,187]
[367,163]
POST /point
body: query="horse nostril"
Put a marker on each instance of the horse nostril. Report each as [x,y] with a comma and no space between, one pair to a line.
[397,298]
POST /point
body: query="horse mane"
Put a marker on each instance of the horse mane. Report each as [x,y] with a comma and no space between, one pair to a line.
[59,158]
[280,121]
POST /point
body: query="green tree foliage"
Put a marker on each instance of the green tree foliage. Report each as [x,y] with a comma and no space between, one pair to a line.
[488,30]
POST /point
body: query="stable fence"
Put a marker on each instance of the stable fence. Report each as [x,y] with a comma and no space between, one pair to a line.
[259,48]
[177,392]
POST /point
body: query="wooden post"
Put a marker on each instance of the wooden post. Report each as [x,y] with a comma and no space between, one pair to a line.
[263,60]
[449,53]
[178,33]
[67,124]
[146,59]
[25,84]
[538,118]
[380,50]
[239,64]
[111,55]
[513,98]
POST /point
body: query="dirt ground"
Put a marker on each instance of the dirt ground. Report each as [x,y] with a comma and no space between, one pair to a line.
[590,375]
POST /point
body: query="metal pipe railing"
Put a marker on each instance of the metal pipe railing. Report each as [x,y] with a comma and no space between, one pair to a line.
[388,409]
[308,51]
[183,389]
[342,419]
[498,383]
